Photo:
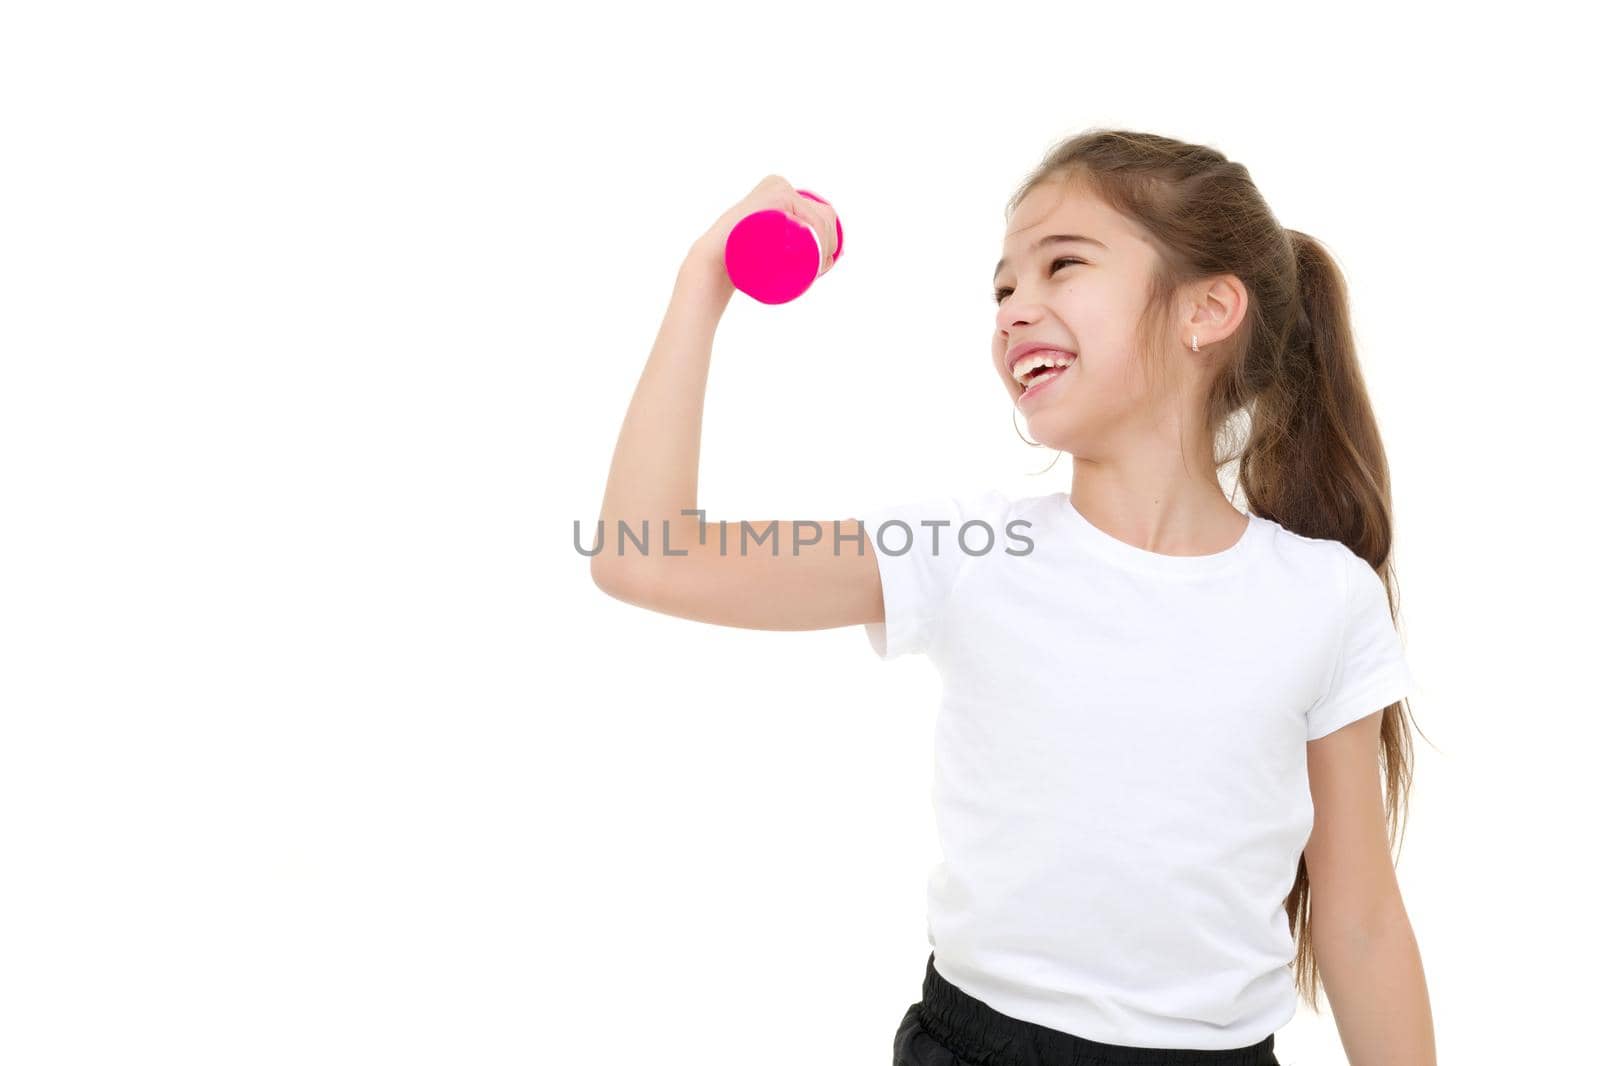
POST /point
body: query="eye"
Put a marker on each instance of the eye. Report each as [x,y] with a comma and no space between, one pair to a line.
[1001,293]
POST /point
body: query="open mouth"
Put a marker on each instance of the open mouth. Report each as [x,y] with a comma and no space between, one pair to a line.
[1045,372]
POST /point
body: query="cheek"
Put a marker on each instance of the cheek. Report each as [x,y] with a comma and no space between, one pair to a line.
[997,358]
[1121,381]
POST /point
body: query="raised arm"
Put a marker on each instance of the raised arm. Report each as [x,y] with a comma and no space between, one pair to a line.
[738,579]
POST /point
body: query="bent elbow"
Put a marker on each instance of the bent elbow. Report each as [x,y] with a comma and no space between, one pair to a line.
[617,579]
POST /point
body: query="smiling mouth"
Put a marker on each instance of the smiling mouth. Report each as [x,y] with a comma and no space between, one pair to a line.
[1042,374]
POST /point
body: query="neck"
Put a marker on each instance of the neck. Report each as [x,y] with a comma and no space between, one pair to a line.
[1165,511]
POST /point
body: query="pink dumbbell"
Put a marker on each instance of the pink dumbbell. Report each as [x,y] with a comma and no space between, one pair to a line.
[773,257]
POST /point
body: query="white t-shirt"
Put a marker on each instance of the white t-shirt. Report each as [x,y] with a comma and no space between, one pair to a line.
[1120,785]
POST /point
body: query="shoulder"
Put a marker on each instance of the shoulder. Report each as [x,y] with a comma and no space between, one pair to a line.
[955,508]
[989,505]
[1321,565]
[1321,550]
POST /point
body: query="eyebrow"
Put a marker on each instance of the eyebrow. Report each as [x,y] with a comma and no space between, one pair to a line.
[1054,238]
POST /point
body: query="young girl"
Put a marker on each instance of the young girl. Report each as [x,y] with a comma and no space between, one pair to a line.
[1163,720]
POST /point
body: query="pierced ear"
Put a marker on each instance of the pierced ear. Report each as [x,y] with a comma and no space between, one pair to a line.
[1232,293]
[1221,308]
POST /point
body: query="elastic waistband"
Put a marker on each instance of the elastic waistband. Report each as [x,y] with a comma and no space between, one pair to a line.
[977,1032]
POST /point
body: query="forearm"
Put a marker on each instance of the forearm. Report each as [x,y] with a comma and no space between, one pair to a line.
[655,468]
[1375,983]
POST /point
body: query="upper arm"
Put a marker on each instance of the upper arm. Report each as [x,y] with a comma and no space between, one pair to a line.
[760,575]
[1353,884]
[1370,669]
[893,571]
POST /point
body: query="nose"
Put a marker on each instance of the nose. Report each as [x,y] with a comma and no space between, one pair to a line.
[1019,308]
[1014,313]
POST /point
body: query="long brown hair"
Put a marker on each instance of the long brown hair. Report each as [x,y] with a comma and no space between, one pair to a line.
[1311,459]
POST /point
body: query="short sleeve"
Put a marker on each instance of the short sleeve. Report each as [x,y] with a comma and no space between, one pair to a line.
[1371,670]
[921,554]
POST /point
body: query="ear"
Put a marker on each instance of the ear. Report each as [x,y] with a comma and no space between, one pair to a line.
[1216,310]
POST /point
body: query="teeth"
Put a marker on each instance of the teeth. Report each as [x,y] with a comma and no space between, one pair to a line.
[1029,363]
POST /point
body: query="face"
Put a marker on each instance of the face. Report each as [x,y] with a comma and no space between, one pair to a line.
[1083,296]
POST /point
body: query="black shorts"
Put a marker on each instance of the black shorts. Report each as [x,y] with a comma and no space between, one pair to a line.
[950,1028]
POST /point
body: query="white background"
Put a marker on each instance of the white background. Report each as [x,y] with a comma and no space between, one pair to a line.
[319,322]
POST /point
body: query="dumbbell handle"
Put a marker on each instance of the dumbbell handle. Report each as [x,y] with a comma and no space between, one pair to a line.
[773,257]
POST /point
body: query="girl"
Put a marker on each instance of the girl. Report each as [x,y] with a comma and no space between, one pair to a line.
[1163,719]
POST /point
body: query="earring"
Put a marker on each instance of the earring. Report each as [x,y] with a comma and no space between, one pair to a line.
[1194,343]
[1025,440]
